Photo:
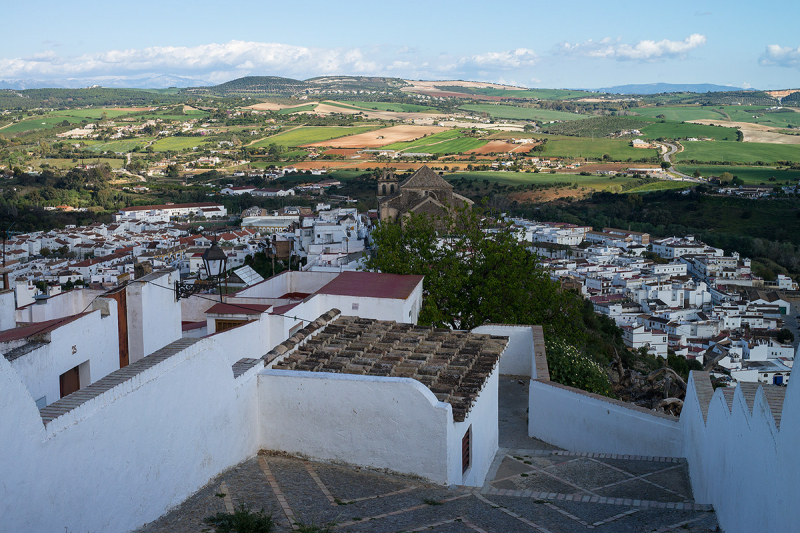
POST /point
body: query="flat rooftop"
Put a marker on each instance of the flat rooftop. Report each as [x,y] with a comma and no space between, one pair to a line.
[372,285]
[454,365]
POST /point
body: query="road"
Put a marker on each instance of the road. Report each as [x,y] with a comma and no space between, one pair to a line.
[672,150]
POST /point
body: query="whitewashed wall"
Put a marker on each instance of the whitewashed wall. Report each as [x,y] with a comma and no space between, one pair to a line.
[518,357]
[90,338]
[578,421]
[126,457]
[248,340]
[483,418]
[394,423]
[58,306]
[154,317]
[8,319]
[739,461]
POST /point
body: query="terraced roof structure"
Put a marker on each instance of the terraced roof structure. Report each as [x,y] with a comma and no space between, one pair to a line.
[454,365]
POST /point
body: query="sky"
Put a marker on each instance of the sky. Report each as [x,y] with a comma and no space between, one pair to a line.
[555,44]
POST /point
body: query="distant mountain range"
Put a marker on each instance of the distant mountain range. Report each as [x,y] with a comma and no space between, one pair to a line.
[269,84]
[656,88]
[145,82]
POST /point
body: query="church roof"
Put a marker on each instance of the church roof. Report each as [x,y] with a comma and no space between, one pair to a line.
[425,178]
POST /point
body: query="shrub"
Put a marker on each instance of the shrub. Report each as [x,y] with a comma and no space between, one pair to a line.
[242,520]
[569,366]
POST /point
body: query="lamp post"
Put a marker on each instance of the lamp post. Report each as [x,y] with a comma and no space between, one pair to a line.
[214,262]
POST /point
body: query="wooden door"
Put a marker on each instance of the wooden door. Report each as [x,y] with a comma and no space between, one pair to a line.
[70,381]
[122,324]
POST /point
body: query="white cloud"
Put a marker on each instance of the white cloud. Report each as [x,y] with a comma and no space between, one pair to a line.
[510,59]
[781,56]
[645,50]
[202,61]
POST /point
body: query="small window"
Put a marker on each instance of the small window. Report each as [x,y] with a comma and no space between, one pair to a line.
[354,307]
[465,450]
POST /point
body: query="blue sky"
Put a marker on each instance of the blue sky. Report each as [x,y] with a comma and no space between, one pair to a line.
[578,44]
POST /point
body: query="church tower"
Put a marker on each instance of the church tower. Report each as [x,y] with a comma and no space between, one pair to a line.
[387,184]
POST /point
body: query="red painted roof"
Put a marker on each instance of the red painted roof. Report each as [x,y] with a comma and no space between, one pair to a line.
[372,285]
[188,326]
[237,309]
[37,328]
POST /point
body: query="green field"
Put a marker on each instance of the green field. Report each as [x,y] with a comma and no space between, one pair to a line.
[738,152]
[663,185]
[176,144]
[389,106]
[678,130]
[572,147]
[784,118]
[681,113]
[425,141]
[39,123]
[541,94]
[597,183]
[69,163]
[124,145]
[749,175]
[307,135]
[302,108]
[521,113]
[455,146]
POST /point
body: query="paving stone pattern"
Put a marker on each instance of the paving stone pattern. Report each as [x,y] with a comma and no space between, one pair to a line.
[534,487]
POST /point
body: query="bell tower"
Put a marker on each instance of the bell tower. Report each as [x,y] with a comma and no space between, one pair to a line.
[387,184]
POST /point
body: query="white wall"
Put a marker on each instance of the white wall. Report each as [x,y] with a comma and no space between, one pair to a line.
[59,306]
[582,422]
[154,317]
[90,338]
[379,422]
[485,437]
[248,340]
[126,457]
[7,310]
[277,286]
[739,461]
[518,357]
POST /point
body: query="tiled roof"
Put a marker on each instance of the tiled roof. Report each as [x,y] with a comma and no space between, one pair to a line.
[237,309]
[454,365]
[37,328]
[372,285]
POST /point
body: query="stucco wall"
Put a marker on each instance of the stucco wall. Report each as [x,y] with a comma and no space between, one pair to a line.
[125,457]
[248,340]
[379,422]
[58,306]
[154,317]
[90,338]
[8,319]
[483,418]
[739,461]
[518,357]
[583,422]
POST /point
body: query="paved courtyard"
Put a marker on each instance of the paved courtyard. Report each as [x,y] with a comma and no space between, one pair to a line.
[534,487]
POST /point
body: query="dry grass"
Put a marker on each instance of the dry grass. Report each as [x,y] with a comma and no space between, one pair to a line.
[388,136]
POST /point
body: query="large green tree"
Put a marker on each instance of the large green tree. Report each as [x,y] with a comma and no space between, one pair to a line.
[475,273]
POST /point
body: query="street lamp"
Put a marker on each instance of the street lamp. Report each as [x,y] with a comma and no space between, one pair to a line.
[214,261]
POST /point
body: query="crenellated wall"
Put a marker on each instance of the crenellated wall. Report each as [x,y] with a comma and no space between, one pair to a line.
[741,446]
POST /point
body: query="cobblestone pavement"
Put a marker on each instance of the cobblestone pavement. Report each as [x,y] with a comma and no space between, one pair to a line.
[534,487]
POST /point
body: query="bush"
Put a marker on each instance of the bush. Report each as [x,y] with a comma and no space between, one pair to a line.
[569,366]
[242,520]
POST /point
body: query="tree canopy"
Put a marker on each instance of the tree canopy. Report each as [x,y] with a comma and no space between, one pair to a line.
[475,273]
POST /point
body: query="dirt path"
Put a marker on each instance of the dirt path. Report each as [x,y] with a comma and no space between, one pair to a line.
[268,136]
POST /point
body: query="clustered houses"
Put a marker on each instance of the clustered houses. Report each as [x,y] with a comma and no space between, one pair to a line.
[105,255]
[167,212]
[701,304]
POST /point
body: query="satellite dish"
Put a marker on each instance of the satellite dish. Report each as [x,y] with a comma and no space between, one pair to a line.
[200,228]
